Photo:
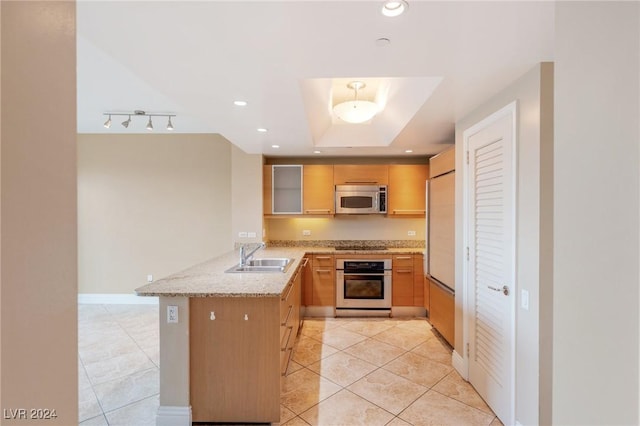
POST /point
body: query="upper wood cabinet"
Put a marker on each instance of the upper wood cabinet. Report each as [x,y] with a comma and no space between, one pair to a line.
[359,174]
[407,189]
[318,189]
[442,163]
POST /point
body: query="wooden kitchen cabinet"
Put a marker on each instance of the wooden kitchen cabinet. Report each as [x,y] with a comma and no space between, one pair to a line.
[407,189]
[239,349]
[345,174]
[418,280]
[318,189]
[234,361]
[324,281]
[307,281]
[402,280]
[267,174]
[442,314]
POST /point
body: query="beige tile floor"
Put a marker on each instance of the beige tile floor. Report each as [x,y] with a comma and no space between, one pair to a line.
[344,372]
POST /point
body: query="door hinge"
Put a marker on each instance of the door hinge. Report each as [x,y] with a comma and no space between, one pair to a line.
[467,252]
[468,351]
[467,157]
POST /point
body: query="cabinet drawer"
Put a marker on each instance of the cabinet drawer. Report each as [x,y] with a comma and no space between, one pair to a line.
[403,261]
[323,260]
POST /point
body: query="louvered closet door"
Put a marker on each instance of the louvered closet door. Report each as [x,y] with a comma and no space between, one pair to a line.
[491,254]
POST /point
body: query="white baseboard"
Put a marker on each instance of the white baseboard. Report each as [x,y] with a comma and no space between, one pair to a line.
[173,416]
[458,362]
[115,299]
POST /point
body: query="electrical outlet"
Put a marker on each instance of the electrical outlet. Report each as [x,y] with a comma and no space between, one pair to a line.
[149,278]
[251,234]
[306,232]
[411,233]
[242,234]
[172,314]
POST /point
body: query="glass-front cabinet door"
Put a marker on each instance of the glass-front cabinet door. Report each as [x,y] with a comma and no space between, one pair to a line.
[287,189]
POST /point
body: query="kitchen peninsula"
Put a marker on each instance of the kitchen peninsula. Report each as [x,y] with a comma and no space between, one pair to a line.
[224,352]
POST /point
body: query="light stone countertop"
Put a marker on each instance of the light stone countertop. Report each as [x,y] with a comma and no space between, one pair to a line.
[208,279]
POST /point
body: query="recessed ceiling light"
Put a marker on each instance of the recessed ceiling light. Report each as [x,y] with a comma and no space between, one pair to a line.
[240,103]
[408,151]
[275,146]
[317,152]
[394,8]
[262,130]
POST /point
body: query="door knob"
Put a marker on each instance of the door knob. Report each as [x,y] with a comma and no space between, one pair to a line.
[504,289]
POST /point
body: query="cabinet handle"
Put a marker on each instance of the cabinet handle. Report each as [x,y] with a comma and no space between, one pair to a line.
[306,261]
[408,211]
[404,271]
[323,270]
[403,257]
[288,361]
[323,257]
[361,181]
[212,317]
[246,317]
[288,314]
[318,210]
[290,285]
[290,328]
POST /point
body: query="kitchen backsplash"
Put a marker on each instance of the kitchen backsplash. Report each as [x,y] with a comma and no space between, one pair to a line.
[347,243]
[345,228]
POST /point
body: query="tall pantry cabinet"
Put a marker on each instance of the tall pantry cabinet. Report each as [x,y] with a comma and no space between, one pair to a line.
[441,277]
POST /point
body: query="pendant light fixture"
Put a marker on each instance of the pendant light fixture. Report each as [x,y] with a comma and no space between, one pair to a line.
[356,111]
[138,113]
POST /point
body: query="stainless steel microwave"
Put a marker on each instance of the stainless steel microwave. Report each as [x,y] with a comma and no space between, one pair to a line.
[361,199]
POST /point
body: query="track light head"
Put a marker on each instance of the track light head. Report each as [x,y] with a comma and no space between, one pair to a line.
[138,113]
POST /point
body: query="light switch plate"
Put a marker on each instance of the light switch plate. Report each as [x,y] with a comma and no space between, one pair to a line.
[251,234]
[242,235]
[306,232]
[411,233]
[149,278]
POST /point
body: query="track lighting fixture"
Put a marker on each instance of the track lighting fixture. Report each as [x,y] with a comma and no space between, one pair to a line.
[138,113]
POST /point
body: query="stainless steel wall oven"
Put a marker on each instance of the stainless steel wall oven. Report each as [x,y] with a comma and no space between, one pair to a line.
[363,287]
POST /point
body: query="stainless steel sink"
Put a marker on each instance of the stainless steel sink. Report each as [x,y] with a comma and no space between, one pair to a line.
[277,264]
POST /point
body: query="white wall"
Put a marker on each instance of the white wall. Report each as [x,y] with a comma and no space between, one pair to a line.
[596,278]
[533,147]
[150,204]
[246,195]
[38,281]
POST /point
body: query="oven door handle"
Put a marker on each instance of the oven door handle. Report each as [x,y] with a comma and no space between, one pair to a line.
[366,273]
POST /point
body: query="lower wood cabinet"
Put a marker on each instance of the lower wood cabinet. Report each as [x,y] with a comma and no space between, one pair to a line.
[442,313]
[407,280]
[324,281]
[239,348]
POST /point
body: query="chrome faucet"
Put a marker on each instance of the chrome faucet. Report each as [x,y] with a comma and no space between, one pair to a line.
[244,257]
